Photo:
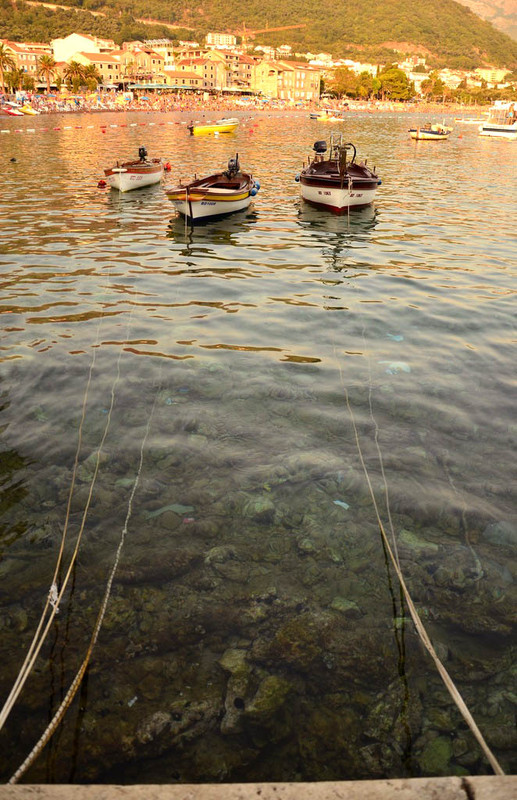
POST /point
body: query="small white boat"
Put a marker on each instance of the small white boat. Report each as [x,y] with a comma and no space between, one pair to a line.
[13,109]
[135,174]
[337,183]
[501,122]
[431,132]
[217,195]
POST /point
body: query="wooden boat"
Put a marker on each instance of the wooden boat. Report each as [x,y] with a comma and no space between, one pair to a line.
[336,182]
[431,132]
[135,174]
[221,126]
[216,195]
[501,122]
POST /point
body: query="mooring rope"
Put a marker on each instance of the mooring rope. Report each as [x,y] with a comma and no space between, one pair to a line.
[54,597]
[58,716]
[424,637]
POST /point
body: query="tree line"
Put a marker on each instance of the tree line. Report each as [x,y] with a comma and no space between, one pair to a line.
[391,83]
[76,76]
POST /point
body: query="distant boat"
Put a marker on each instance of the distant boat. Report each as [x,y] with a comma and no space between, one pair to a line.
[29,110]
[217,195]
[431,132]
[327,115]
[135,174]
[13,109]
[221,126]
[501,122]
[337,183]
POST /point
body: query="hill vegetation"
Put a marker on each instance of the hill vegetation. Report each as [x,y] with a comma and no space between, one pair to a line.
[447,33]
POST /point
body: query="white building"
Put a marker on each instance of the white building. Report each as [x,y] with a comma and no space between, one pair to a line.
[220,40]
[64,49]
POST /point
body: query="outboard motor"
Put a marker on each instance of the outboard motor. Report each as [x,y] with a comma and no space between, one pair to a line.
[142,153]
[320,147]
[233,166]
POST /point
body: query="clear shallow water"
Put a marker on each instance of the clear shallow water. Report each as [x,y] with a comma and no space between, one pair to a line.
[254,630]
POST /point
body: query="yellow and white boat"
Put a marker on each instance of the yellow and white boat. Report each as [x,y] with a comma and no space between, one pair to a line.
[29,110]
[216,195]
[221,126]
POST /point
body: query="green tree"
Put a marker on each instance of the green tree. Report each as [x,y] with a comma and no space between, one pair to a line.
[395,84]
[13,79]
[73,74]
[343,81]
[6,63]
[46,69]
[91,77]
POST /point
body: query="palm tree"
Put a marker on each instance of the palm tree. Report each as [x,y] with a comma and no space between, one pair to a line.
[6,63]
[46,69]
[14,79]
[74,73]
[91,76]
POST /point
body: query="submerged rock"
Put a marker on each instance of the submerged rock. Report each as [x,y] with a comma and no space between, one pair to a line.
[435,757]
[501,533]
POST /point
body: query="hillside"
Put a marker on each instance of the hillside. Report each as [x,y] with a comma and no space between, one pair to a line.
[447,32]
[501,13]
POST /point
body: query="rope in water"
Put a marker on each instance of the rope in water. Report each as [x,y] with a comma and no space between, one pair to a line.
[58,716]
[55,598]
[424,637]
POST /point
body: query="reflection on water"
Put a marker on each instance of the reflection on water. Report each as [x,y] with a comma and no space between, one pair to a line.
[255,629]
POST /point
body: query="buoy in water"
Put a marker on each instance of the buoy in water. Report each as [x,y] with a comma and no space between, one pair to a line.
[102,185]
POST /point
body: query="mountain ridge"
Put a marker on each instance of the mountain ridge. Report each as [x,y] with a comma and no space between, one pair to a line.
[447,32]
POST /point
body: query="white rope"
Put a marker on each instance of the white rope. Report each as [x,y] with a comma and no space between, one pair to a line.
[449,683]
[58,716]
[53,597]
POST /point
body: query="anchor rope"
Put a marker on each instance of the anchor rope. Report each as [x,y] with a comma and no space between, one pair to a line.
[54,597]
[424,637]
[69,696]
[55,601]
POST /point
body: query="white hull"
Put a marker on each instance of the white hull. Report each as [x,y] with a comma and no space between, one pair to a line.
[337,199]
[499,131]
[203,209]
[125,181]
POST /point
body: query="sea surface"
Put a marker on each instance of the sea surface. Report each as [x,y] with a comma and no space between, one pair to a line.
[204,430]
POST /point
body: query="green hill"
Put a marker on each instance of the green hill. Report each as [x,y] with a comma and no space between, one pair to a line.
[447,33]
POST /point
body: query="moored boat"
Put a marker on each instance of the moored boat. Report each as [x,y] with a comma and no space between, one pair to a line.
[12,109]
[135,174]
[431,132]
[226,125]
[501,122]
[29,110]
[216,195]
[337,182]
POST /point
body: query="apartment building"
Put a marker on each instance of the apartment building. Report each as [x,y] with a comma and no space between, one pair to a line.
[106,64]
[64,49]
[26,55]
[287,80]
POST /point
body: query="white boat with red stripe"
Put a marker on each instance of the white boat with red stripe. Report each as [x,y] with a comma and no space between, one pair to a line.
[135,174]
[337,182]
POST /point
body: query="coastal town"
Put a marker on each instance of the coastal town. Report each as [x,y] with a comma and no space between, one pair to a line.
[221,70]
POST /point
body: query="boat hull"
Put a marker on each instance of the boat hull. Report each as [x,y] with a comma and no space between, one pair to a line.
[226,126]
[125,178]
[499,131]
[338,199]
[422,135]
[197,206]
